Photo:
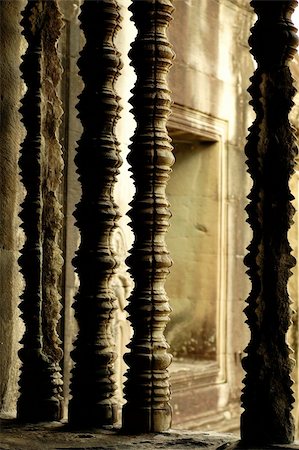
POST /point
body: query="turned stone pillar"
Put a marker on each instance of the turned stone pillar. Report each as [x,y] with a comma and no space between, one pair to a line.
[267,396]
[40,262]
[147,388]
[93,382]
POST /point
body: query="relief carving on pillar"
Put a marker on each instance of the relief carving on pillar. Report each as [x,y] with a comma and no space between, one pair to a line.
[121,284]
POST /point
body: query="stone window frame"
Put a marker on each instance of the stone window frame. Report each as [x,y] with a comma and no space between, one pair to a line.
[214,130]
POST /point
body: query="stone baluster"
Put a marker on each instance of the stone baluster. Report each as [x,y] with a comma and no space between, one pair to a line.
[147,387]
[93,383]
[267,395]
[40,262]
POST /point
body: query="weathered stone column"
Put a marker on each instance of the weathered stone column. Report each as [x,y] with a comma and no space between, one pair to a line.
[93,382]
[267,396]
[41,167]
[147,387]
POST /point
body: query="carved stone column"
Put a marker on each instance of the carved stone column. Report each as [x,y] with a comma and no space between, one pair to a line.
[93,383]
[41,166]
[267,396]
[147,387]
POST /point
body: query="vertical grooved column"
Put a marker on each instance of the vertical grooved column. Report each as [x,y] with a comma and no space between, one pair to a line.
[267,395]
[40,262]
[93,384]
[147,387]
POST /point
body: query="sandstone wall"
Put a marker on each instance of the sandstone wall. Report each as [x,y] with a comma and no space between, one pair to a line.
[208,236]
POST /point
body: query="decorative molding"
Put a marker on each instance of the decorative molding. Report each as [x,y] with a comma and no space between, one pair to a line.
[192,121]
[147,389]
[93,384]
[271,150]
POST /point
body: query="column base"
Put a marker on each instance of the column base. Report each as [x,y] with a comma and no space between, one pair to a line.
[92,416]
[34,411]
[147,419]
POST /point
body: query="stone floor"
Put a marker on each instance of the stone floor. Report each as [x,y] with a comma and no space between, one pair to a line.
[56,436]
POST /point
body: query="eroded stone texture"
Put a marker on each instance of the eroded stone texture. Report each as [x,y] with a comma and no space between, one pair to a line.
[271,150]
[147,387]
[93,383]
[40,262]
[51,180]
[11,43]
[70,43]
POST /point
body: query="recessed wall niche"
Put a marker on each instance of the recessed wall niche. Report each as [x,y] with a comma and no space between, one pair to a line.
[193,192]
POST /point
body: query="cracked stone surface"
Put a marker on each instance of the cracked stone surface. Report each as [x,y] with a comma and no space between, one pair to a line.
[57,436]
